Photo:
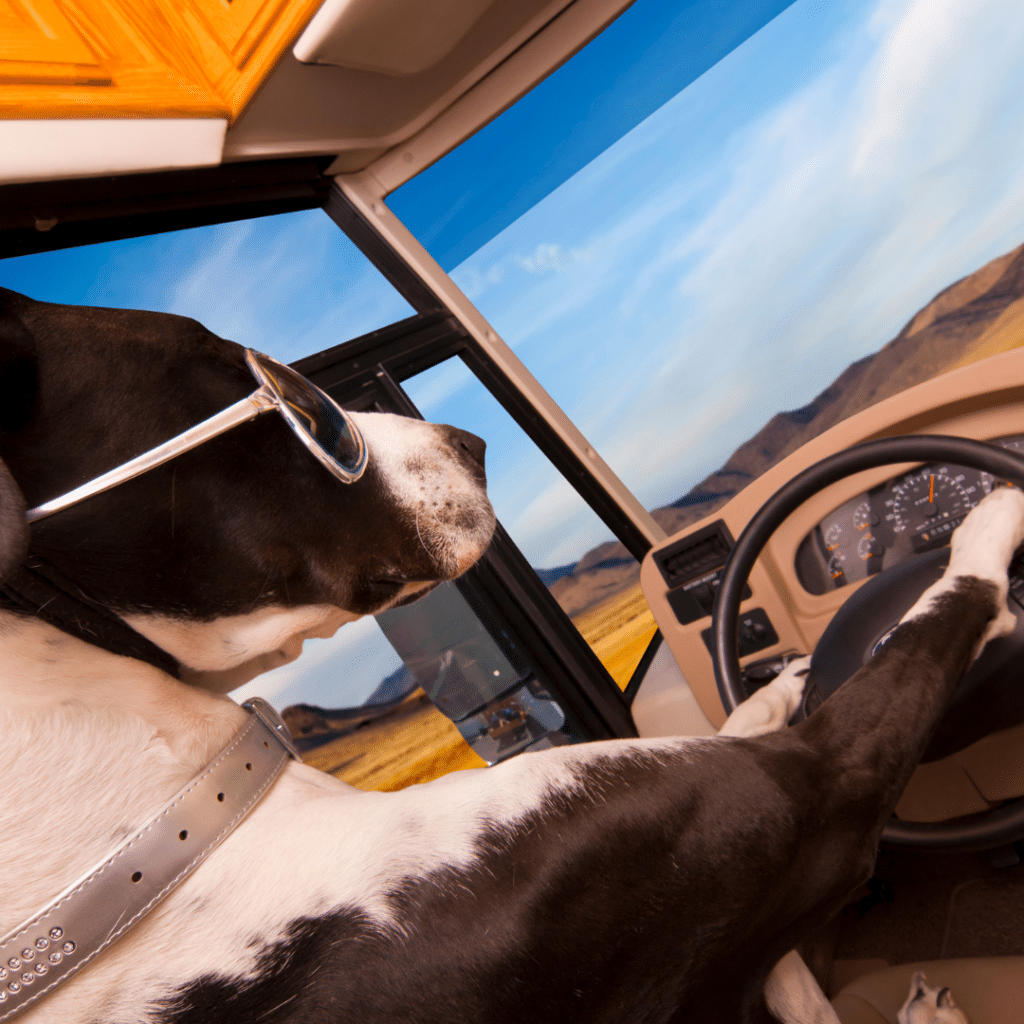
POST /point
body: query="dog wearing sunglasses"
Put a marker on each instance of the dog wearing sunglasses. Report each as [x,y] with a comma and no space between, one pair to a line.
[634,881]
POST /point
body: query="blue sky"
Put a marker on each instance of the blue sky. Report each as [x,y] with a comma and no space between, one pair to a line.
[779,218]
[652,51]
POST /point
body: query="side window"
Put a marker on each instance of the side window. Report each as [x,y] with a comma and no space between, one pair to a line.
[594,579]
[473,673]
[287,285]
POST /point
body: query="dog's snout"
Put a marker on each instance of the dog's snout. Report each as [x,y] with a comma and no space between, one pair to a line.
[463,440]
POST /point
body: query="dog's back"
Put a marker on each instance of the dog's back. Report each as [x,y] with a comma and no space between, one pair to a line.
[640,881]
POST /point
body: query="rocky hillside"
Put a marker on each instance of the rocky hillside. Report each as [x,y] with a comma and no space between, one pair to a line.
[978,316]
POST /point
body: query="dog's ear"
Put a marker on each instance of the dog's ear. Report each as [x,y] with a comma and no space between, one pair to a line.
[19,384]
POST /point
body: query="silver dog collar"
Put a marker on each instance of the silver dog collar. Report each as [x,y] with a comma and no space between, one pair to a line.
[61,938]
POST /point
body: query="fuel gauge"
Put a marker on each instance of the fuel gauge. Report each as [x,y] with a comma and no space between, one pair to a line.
[835,536]
[837,567]
[869,547]
[863,517]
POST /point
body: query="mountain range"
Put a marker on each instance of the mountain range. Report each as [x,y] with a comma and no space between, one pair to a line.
[978,316]
[975,317]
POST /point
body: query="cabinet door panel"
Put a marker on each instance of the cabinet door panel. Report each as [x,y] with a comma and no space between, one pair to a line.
[238,25]
[39,44]
[140,58]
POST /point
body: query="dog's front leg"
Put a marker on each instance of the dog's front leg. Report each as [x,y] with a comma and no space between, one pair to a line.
[794,997]
[791,992]
[944,630]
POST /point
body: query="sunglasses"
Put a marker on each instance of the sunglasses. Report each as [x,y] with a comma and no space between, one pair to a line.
[315,418]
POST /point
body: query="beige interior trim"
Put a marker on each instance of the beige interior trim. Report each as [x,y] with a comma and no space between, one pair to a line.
[359,115]
[989,990]
[394,37]
[52,150]
[366,194]
[983,400]
[664,705]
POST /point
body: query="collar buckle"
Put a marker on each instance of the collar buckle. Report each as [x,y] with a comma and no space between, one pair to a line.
[265,712]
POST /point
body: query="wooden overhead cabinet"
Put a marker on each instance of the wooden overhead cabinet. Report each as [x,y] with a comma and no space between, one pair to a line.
[140,59]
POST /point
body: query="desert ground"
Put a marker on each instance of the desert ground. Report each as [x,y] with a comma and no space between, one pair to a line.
[416,743]
[973,318]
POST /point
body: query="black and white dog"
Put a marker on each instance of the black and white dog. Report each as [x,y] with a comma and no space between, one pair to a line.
[636,881]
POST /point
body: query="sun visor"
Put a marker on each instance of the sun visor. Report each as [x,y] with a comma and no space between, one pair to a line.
[393,37]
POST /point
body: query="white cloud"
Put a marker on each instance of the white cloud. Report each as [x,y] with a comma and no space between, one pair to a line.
[289,285]
[546,256]
[770,250]
[912,67]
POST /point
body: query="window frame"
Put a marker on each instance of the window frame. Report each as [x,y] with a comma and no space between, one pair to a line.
[502,588]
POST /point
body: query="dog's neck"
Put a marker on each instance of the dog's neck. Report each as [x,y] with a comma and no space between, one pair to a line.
[45,669]
[96,744]
[40,589]
[227,652]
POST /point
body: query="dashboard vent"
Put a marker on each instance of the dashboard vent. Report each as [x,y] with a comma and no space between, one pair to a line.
[696,555]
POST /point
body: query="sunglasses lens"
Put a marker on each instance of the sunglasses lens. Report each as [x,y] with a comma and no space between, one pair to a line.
[316,414]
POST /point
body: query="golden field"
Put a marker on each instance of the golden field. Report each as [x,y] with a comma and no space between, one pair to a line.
[416,743]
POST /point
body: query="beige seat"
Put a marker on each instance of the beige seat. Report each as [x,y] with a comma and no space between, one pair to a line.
[990,990]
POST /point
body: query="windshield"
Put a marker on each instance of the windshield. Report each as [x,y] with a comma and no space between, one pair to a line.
[727,270]
[709,237]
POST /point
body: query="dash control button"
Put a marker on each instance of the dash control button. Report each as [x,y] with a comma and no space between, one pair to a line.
[755,632]
[685,605]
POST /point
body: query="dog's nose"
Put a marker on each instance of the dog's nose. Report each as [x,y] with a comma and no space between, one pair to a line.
[472,445]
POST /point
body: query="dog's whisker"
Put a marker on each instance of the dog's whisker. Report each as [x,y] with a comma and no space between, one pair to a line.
[263,590]
[419,534]
[274,1009]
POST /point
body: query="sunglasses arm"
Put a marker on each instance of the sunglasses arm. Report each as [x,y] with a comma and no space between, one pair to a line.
[248,408]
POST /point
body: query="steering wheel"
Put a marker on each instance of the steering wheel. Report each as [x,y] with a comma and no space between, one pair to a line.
[866,618]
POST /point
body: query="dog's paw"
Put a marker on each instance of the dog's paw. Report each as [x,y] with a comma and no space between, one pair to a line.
[928,1005]
[771,707]
[790,682]
[984,543]
[983,546]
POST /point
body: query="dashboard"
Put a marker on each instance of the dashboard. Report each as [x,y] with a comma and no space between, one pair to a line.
[886,525]
[829,548]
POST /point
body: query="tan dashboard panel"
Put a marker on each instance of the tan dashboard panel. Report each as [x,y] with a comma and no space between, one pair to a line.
[938,791]
[996,764]
[984,400]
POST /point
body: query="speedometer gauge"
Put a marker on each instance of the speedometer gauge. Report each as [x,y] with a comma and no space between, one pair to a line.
[927,497]
[930,503]
[898,519]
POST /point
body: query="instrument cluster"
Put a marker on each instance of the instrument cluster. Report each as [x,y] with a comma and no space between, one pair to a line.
[888,524]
